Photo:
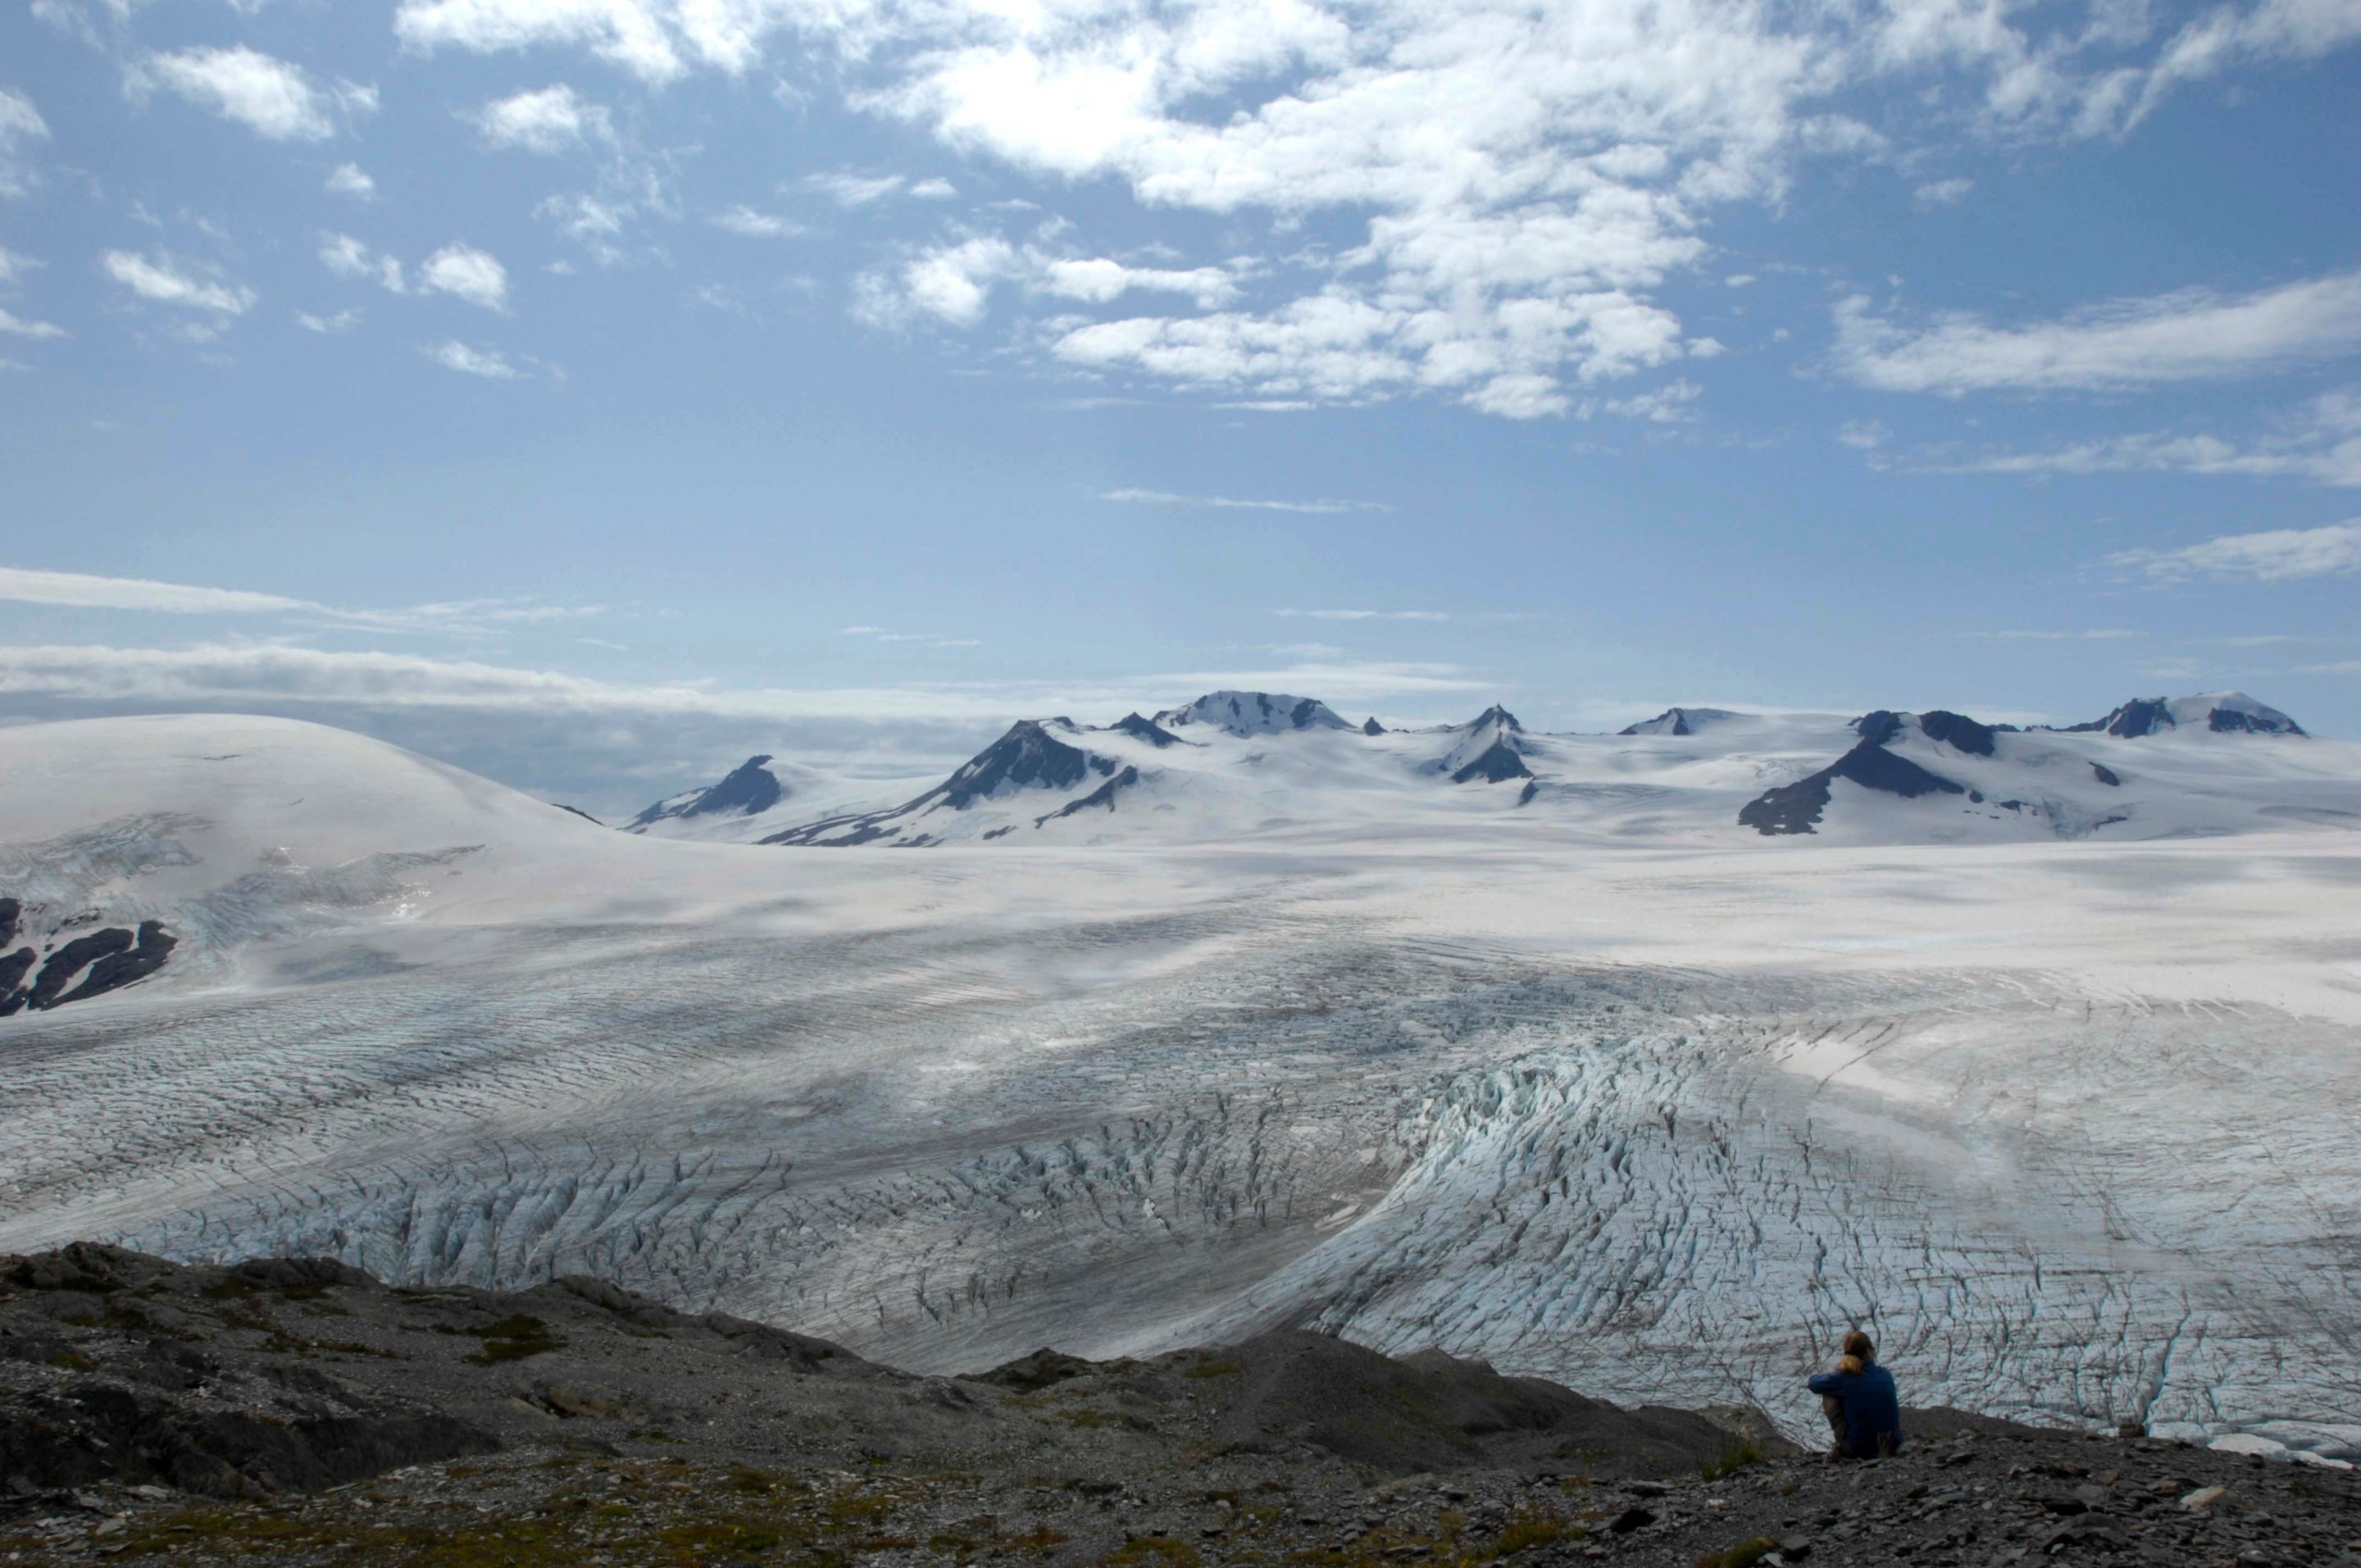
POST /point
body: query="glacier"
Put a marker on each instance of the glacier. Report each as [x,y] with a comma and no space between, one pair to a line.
[1604,1086]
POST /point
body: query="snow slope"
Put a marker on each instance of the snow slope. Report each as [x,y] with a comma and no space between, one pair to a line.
[1605,1086]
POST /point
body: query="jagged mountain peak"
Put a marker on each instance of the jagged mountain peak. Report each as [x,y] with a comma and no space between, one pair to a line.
[1677,721]
[1371,727]
[746,790]
[1499,717]
[1253,713]
[1146,729]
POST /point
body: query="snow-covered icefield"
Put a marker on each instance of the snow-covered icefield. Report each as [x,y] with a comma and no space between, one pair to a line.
[2073,1124]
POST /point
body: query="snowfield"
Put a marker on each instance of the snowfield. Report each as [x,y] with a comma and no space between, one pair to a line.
[1572,1070]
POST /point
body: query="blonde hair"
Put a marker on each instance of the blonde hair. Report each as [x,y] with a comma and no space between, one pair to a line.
[1852,1367]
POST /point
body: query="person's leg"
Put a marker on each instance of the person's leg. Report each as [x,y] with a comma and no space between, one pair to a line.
[1833,1407]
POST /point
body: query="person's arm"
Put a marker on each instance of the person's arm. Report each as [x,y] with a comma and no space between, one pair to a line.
[1826,1383]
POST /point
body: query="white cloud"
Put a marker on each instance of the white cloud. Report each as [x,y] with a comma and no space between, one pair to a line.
[20,126]
[467,273]
[1524,177]
[550,120]
[2193,334]
[2323,444]
[1363,614]
[286,673]
[924,638]
[25,586]
[348,258]
[167,281]
[2275,555]
[1941,194]
[272,97]
[351,180]
[626,32]
[1672,403]
[934,190]
[1099,280]
[744,220]
[1864,435]
[14,266]
[328,326]
[489,364]
[18,327]
[1233,503]
[2102,634]
[854,189]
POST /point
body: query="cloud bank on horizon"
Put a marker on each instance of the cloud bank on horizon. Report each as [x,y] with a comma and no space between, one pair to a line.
[1606,251]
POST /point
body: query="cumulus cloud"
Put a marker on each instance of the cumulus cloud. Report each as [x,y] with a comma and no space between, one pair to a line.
[547,121]
[350,180]
[20,126]
[1524,178]
[348,258]
[2193,334]
[467,273]
[162,279]
[1941,194]
[328,326]
[952,283]
[1235,503]
[489,364]
[272,97]
[2274,555]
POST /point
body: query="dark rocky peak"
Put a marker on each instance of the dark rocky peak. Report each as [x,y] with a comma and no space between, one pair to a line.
[1502,717]
[2141,716]
[1876,727]
[749,788]
[1677,721]
[1253,713]
[1027,757]
[1958,731]
[1496,763]
[1146,729]
[2221,713]
[1796,807]
[1372,727]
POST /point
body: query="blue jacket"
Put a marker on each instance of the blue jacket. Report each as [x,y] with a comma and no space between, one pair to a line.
[1870,1406]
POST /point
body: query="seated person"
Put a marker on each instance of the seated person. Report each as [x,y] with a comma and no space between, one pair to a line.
[1864,1410]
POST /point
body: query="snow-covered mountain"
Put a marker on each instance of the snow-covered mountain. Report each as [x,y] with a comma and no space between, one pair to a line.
[1677,721]
[2155,768]
[2222,713]
[758,798]
[1240,764]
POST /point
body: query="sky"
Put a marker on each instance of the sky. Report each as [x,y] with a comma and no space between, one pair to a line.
[593,392]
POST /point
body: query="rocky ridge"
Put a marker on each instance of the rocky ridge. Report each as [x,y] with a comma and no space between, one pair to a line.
[296,1412]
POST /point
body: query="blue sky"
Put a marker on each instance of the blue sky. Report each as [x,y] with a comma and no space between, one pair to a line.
[593,391]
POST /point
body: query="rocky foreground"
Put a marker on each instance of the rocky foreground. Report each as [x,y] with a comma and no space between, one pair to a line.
[297,1411]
